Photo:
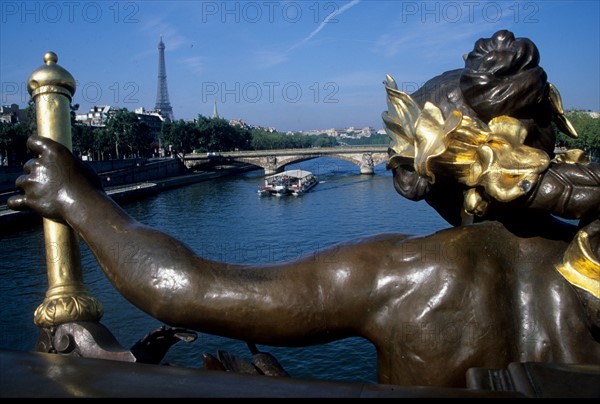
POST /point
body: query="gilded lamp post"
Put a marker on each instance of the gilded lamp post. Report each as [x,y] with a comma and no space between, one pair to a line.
[67,299]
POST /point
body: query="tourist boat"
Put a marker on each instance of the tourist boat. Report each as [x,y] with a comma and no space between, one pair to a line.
[290,182]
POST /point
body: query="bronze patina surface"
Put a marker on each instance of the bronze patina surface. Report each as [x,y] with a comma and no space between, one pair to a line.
[484,293]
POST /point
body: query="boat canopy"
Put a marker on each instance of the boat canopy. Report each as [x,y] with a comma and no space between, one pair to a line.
[290,173]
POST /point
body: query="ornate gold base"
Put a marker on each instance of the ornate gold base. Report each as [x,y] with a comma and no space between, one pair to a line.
[57,310]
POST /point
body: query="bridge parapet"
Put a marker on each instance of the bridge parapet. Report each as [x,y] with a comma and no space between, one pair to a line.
[274,161]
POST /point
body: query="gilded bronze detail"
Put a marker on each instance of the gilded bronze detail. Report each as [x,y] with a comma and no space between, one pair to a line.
[63,309]
[488,158]
[52,88]
[580,267]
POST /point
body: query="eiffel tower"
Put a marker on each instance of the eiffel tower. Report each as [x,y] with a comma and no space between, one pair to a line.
[163,106]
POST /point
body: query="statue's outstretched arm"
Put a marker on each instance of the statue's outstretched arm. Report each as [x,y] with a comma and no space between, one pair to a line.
[168,280]
[568,190]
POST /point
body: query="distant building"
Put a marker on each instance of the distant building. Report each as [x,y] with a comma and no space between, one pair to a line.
[215,114]
[349,132]
[592,114]
[13,114]
[153,119]
[239,123]
[96,116]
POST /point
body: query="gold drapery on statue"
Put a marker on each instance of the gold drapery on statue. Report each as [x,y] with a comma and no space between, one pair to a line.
[490,159]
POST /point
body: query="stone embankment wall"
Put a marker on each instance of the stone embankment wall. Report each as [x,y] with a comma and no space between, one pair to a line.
[8,175]
[112,172]
[140,171]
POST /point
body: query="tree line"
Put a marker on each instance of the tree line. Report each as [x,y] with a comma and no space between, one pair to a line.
[206,134]
[124,136]
[588,129]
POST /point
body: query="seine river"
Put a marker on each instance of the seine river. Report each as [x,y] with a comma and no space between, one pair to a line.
[226,219]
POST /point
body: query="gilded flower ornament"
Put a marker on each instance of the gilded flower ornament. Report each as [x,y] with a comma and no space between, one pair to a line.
[489,159]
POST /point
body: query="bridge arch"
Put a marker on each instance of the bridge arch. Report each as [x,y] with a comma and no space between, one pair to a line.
[274,161]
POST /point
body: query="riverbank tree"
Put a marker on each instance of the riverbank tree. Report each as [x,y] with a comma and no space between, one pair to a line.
[587,126]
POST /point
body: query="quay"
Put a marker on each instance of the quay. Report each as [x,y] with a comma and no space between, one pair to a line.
[11,221]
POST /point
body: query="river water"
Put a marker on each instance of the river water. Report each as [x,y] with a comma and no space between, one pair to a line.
[226,219]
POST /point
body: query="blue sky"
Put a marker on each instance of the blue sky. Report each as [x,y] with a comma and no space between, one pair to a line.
[293,65]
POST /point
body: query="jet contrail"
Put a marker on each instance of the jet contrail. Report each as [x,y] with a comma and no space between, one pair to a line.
[325,21]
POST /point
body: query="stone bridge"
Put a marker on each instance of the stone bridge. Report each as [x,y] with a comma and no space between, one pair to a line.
[274,161]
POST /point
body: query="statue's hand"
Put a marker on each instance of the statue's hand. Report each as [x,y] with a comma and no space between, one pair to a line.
[54,182]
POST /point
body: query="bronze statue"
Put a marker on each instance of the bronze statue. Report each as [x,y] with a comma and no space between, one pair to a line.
[508,283]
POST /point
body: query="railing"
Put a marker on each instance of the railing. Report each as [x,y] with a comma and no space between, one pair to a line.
[288,152]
